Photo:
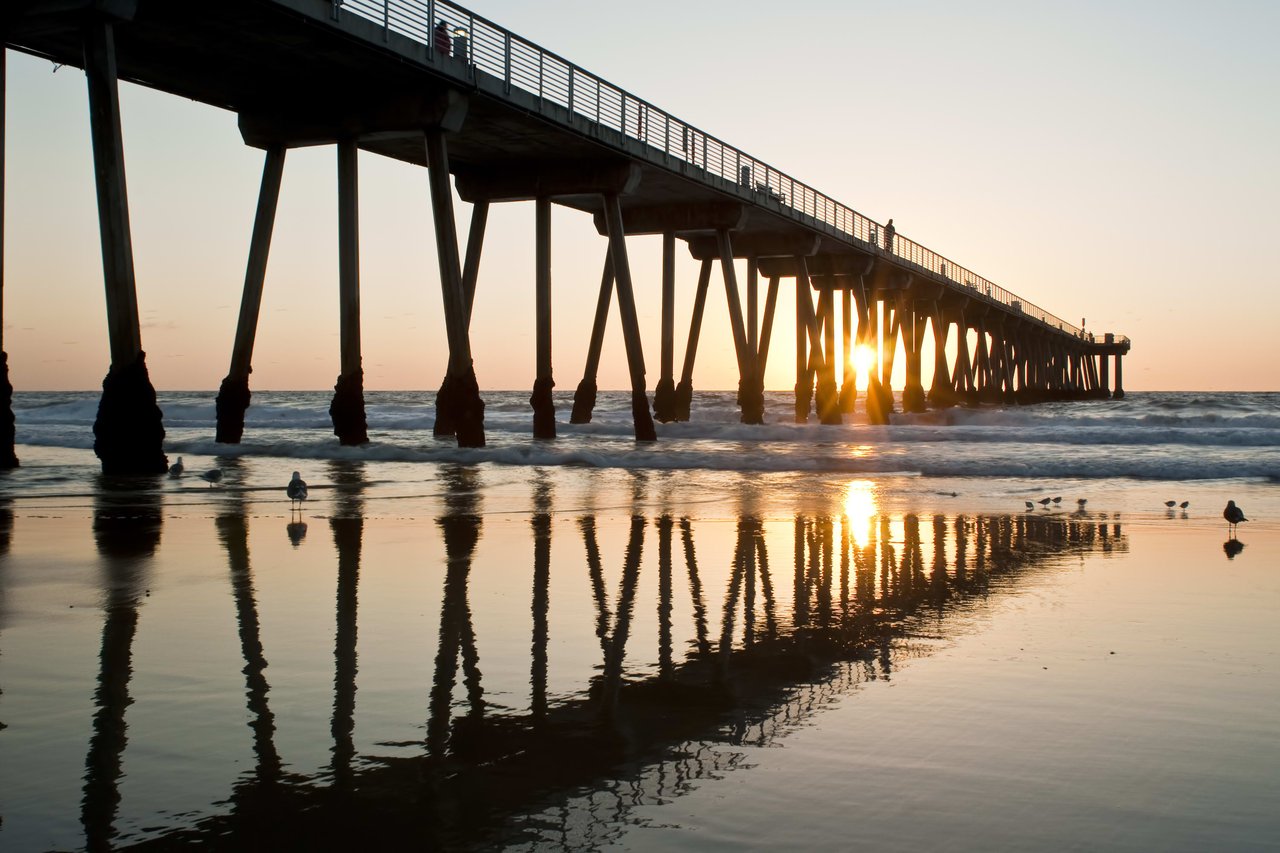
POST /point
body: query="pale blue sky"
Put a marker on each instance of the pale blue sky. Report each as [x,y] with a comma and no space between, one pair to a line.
[1113,161]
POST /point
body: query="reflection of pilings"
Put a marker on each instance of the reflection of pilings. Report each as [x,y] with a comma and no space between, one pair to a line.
[106,747]
[596,572]
[461,526]
[541,523]
[126,528]
[347,534]
[233,533]
[665,661]
[695,588]
[622,624]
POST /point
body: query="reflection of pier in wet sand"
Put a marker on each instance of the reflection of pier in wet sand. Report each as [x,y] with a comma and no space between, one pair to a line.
[797,622]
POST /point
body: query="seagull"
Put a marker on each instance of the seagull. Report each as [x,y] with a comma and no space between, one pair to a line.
[1058,499]
[1184,504]
[1044,502]
[1234,515]
[1080,502]
[1170,504]
[175,470]
[296,490]
[213,475]
[1030,505]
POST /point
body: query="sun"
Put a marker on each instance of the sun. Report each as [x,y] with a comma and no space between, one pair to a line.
[864,359]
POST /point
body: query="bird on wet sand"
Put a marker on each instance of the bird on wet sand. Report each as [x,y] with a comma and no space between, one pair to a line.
[296,490]
[1184,504]
[1234,515]
[1058,499]
[175,470]
[1044,502]
[1170,504]
[1030,505]
[212,476]
[1080,502]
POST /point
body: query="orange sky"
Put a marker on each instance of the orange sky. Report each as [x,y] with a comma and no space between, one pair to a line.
[1123,173]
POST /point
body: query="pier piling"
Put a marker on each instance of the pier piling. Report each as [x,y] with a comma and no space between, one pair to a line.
[347,408]
[664,396]
[544,408]
[233,396]
[128,432]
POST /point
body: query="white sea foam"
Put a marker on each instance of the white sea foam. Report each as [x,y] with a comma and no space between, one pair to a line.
[1147,436]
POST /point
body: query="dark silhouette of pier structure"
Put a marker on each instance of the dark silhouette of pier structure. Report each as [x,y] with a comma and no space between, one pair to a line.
[498,119]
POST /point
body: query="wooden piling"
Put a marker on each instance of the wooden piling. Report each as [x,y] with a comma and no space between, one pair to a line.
[750,397]
[233,397]
[664,396]
[804,380]
[826,393]
[630,321]
[913,399]
[584,397]
[544,409]
[128,431]
[766,329]
[684,391]
[347,409]
[848,371]
[458,403]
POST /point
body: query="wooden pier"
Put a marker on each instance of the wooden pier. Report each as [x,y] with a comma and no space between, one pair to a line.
[496,119]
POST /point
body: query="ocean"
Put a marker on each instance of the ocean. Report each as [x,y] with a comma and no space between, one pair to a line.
[970,629]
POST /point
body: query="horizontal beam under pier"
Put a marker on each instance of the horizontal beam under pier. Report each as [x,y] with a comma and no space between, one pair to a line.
[542,179]
[293,121]
[766,247]
[681,218]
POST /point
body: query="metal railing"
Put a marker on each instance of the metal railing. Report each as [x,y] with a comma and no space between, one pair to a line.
[476,44]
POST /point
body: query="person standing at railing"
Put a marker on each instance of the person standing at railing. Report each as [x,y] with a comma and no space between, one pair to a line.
[888,236]
[440,38]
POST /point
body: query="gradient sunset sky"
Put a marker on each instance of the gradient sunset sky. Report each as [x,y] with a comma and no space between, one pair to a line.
[1113,161]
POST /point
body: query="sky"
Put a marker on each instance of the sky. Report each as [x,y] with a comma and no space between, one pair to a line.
[1109,161]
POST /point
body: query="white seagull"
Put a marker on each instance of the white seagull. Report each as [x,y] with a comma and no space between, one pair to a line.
[212,476]
[175,470]
[296,490]
[1234,515]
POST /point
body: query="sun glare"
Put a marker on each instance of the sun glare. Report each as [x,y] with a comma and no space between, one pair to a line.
[864,358]
[859,509]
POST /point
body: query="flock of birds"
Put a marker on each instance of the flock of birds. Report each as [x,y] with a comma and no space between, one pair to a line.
[1233,514]
[296,489]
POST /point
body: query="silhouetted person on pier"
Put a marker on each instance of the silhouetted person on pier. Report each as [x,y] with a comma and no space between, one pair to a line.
[888,236]
[441,38]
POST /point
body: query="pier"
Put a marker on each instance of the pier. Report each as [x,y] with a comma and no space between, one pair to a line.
[495,118]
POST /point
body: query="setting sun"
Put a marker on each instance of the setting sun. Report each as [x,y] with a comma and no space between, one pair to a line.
[864,359]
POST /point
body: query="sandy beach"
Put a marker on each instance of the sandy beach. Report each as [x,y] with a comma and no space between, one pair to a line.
[479,656]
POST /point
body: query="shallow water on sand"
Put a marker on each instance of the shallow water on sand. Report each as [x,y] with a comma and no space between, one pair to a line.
[480,656]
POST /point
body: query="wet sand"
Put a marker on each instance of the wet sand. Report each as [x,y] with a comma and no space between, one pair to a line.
[566,658]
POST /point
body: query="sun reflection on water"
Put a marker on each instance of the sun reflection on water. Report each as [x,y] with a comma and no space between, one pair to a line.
[860,508]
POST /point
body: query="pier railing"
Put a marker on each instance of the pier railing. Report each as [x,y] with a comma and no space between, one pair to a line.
[482,45]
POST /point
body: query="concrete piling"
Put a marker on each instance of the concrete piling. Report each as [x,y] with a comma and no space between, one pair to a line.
[128,431]
[347,409]
[544,409]
[233,397]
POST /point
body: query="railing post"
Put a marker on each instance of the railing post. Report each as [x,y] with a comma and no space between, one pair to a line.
[431,22]
[571,76]
[539,80]
[386,20]
[506,63]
